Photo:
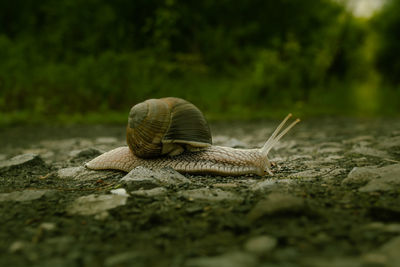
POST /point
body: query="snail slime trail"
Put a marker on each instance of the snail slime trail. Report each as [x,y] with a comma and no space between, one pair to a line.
[172,132]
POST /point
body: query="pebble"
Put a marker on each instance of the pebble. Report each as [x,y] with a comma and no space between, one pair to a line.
[154,192]
[210,194]
[232,259]
[21,161]
[276,203]
[21,196]
[119,192]
[260,244]
[95,204]
[147,178]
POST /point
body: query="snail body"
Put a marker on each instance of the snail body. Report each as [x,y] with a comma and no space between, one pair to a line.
[175,149]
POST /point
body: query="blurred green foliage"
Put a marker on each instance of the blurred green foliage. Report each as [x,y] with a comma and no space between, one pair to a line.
[73,59]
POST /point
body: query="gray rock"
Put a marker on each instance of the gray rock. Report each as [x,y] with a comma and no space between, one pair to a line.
[147,178]
[361,175]
[378,179]
[22,161]
[233,259]
[154,192]
[276,203]
[210,194]
[260,244]
[81,173]
[95,204]
[26,195]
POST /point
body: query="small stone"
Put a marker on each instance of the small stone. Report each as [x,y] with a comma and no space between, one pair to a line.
[210,194]
[260,244]
[120,192]
[276,203]
[94,204]
[21,196]
[147,178]
[17,246]
[154,192]
[21,161]
[48,226]
[233,259]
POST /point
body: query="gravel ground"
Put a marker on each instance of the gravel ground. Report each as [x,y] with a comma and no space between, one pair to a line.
[333,201]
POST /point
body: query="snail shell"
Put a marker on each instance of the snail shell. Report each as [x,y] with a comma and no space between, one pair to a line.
[166,126]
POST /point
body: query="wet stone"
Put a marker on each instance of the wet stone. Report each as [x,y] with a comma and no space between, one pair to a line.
[276,203]
[141,177]
[95,204]
[260,244]
[26,195]
[210,194]
[22,161]
[233,259]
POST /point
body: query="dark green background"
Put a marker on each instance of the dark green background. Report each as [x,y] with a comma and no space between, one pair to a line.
[90,61]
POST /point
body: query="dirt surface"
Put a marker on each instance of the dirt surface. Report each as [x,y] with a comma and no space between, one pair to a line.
[333,201]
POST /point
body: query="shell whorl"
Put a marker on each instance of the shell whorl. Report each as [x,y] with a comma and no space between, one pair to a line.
[166,126]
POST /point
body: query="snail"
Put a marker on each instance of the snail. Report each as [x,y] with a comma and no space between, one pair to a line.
[172,132]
